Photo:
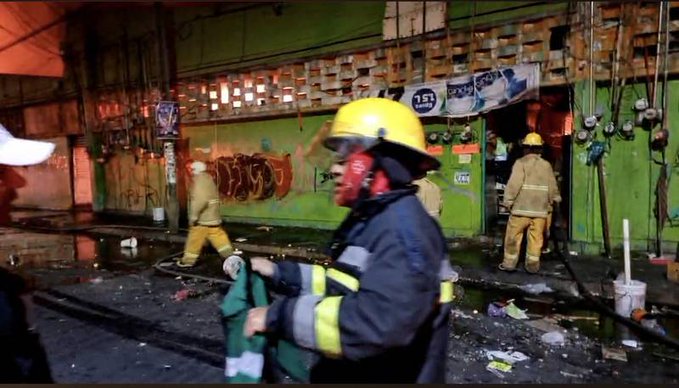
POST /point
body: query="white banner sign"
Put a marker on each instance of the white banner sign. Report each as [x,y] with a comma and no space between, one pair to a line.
[473,94]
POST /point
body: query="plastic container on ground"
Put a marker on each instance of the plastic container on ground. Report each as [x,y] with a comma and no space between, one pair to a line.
[158,214]
[629,297]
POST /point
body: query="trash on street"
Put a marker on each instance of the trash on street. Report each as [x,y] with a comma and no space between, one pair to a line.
[507,357]
[613,354]
[129,243]
[553,338]
[497,310]
[536,289]
[515,312]
[498,365]
[182,295]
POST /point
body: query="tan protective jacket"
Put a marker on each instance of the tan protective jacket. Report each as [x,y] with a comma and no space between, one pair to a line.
[532,188]
[204,205]
[429,193]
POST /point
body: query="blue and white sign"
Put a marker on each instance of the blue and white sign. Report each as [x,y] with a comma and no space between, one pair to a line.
[425,99]
[460,96]
[473,94]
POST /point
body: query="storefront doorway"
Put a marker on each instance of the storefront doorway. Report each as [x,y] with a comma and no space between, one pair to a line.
[81,175]
[551,117]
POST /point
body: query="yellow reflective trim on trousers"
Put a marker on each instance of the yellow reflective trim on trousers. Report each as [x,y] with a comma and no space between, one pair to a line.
[317,280]
[447,294]
[347,281]
[327,326]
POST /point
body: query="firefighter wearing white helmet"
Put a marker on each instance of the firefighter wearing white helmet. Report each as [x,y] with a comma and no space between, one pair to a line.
[530,194]
[379,312]
[204,219]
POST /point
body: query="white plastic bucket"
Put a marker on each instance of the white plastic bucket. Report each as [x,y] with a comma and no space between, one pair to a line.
[158,214]
[629,297]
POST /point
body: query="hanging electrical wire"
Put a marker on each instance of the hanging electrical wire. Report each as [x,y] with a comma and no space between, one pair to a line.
[661,187]
[45,41]
[34,43]
[61,19]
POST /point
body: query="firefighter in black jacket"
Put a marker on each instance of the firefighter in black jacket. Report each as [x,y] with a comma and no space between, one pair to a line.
[379,312]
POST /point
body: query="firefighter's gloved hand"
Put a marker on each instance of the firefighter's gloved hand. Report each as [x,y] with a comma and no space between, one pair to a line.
[232,266]
[263,266]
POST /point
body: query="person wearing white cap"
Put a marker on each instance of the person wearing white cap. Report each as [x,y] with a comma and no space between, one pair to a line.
[21,152]
[204,218]
[17,152]
[22,355]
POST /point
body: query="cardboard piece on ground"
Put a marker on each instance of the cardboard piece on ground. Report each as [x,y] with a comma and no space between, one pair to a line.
[544,324]
[673,271]
[613,354]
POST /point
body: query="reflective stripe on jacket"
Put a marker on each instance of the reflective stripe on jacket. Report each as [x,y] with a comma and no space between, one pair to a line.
[204,206]
[531,188]
[379,312]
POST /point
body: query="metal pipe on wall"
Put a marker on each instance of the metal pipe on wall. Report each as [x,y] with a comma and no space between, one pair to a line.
[169,146]
[424,41]
[591,58]
[657,55]
[665,62]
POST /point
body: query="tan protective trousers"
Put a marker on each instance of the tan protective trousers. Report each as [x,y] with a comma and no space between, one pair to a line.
[548,225]
[514,235]
[196,239]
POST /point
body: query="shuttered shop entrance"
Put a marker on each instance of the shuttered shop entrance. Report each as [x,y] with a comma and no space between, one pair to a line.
[82,176]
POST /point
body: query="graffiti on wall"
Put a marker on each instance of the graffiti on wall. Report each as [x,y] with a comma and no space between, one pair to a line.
[135,187]
[253,177]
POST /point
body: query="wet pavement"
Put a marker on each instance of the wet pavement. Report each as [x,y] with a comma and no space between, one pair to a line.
[88,287]
[81,352]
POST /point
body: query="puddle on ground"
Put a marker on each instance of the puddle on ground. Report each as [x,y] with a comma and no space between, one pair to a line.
[578,315]
[48,260]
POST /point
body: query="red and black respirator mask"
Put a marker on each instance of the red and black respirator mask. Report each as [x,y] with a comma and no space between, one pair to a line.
[362,178]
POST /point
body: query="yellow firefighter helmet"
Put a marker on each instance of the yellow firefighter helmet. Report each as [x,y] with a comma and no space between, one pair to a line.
[532,139]
[370,122]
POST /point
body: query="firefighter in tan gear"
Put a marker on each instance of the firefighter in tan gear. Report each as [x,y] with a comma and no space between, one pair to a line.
[529,195]
[204,219]
[429,193]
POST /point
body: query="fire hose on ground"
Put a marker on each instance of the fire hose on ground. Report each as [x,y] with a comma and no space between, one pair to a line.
[601,306]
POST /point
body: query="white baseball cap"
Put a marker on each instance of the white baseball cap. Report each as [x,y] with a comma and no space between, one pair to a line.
[21,152]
